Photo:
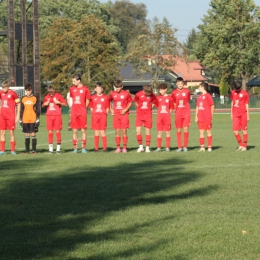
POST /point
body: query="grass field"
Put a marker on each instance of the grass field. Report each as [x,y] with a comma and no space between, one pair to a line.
[132,206]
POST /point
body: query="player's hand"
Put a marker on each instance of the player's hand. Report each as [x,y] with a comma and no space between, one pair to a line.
[37,122]
[17,118]
[46,103]
[123,111]
[56,101]
[112,112]
[21,123]
[196,119]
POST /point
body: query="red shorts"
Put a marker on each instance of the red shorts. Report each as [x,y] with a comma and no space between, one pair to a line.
[204,125]
[7,123]
[144,120]
[240,123]
[54,123]
[121,121]
[78,121]
[182,122]
[163,122]
[99,122]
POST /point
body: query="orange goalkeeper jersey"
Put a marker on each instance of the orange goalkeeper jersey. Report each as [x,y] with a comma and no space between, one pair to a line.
[30,109]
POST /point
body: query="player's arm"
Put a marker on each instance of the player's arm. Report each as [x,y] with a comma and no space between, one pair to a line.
[87,102]
[45,103]
[247,111]
[21,110]
[232,109]
[123,111]
[212,110]
[196,114]
[111,107]
[18,109]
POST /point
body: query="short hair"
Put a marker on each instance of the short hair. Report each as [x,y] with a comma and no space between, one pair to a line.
[50,89]
[162,86]
[205,85]
[99,84]
[179,79]
[5,84]
[28,86]
[118,84]
[238,85]
[77,76]
[148,89]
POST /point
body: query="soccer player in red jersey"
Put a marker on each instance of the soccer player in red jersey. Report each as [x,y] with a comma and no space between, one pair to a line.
[240,114]
[120,102]
[181,99]
[165,106]
[80,95]
[144,101]
[204,115]
[99,106]
[9,115]
[53,101]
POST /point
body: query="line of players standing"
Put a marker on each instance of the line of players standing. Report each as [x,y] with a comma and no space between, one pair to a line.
[119,102]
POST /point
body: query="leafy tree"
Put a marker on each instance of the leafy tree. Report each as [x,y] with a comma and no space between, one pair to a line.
[155,51]
[229,39]
[84,47]
[50,10]
[223,87]
[131,20]
[190,43]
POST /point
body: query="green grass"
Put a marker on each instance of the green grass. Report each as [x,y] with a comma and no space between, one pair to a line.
[132,206]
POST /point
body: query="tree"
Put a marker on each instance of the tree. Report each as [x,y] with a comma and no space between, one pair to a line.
[155,51]
[229,39]
[84,47]
[131,20]
[50,10]
[190,43]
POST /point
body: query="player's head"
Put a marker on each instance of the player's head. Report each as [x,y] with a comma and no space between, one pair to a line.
[28,89]
[204,85]
[162,88]
[51,90]
[180,83]
[76,79]
[118,85]
[6,85]
[238,85]
[148,90]
[99,88]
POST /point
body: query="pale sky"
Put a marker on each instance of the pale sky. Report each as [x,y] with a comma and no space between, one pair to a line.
[182,14]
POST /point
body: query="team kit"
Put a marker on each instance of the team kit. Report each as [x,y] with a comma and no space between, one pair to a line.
[27,112]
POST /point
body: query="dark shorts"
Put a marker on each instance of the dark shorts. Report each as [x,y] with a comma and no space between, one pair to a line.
[30,128]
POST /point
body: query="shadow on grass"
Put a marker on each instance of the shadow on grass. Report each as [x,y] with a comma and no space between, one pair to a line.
[50,216]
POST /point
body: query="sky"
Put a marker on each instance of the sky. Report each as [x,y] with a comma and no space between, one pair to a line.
[183,15]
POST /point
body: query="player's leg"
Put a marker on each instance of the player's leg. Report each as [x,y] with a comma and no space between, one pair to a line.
[34,141]
[244,130]
[186,138]
[104,140]
[84,140]
[125,140]
[236,125]
[96,139]
[167,141]
[202,137]
[118,140]
[139,139]
[50,140]
[147,139]
[27,139]
[75,140]
[209,138]
[58,141]
[12,142]
[159,139]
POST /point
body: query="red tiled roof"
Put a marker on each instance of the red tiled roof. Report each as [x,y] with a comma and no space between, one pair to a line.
[190,71]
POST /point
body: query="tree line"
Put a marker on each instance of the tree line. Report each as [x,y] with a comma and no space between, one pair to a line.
[95,39]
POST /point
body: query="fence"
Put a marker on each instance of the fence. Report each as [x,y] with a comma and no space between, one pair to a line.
[221,106]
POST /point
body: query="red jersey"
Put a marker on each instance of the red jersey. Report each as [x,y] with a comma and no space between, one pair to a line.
[145,103]
[164,104]
[99,104]
[8,103]
[204,103]
[181,100]
[121,100]
[79,97]
[240,99]
[54,109]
